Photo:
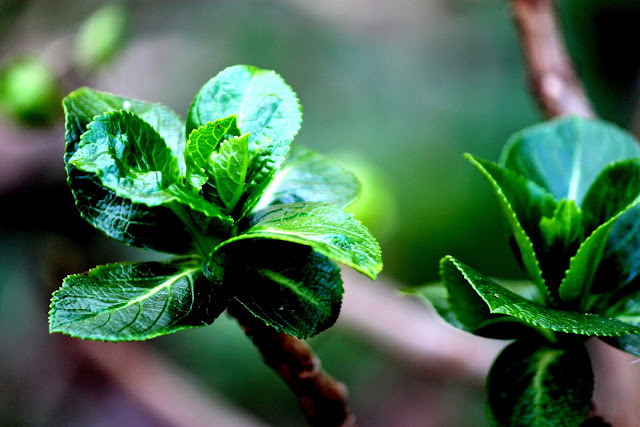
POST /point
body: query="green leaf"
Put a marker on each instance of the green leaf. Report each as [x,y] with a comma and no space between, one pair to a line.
[287,286]
[582,269]
[83,104]
[532,384]
[564,156]
[128,156]
[523,204]
[499,300]
[326,228]
[203,143]
[229,170]
[133,161]
[621,260]
[135,301]
[617,186]
[308,176]
[614,192]
[626,309]
[135,224]
[101,36]
[266,159]
[474,317]
[264,104]
[465,303]
[564,228]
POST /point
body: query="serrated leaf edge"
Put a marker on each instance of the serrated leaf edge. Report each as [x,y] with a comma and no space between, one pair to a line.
[292,237]
[523,240]
[128,338]
[575,259]
[214,212]
[534,321]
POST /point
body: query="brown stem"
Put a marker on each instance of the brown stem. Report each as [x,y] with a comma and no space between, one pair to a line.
[552,77]
[322,399]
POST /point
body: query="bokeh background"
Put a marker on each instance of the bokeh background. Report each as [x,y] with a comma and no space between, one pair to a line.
[397,91]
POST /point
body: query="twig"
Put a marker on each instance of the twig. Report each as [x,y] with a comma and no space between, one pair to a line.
[322,399]
[552,77]
[412,333]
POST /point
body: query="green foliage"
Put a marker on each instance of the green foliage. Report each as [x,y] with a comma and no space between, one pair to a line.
[289,286]
[138,176]
[465,285]
[565,156]
[136,301]
[101,36]
[307,176]
[326,228]
[535,384]
[29,90]
[569,192]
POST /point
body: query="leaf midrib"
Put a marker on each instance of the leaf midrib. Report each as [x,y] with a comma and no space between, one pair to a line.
[292,285]
[169,283]
[538,379]
[244,98]
[575,171]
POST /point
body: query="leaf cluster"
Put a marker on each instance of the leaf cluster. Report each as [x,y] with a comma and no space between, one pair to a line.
[569,192]
[251,223]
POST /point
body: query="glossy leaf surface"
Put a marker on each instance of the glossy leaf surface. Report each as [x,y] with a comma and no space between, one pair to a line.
[308,176]
[203,143]
[564,227]
[229,171]
[83,104]
[500,300]
[288,286]
[522,202]
[264,104]
[135,301]
[326,228]
[615,191]
[266,159]
[533,384]
[128,156]
[135,224]
[582,268]
[132,160]
[474,317]
[627,309]
[565,156]
[621,260]
[617,187]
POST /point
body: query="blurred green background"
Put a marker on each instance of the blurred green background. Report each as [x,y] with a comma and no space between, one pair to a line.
[397,91]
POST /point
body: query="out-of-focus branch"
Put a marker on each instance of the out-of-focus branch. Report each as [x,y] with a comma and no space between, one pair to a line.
[164,389]
[411,332]
[552,77]
[322,399]
[28,156]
